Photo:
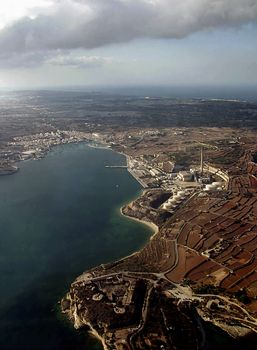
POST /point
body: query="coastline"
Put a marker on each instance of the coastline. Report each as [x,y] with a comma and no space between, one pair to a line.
[154,228]
[98,146]
[94,333]
[150,224]
[14,168]
[140,181]
[9,170]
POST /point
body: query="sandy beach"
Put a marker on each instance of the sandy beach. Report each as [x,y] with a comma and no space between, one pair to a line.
[151,225]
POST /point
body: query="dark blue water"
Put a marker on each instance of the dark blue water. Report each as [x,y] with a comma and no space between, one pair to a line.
[58,217]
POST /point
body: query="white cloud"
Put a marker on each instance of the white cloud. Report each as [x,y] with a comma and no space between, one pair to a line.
[53,58]
[79,61]
[73,24]
[12,10]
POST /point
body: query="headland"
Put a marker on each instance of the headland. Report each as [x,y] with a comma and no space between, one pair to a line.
[198,268]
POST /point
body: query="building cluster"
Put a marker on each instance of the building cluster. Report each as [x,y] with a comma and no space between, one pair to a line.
[36,146]
[153,174]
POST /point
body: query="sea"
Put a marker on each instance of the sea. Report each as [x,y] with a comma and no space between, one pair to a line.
[59,216]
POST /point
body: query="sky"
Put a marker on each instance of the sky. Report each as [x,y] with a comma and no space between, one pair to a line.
[128,43]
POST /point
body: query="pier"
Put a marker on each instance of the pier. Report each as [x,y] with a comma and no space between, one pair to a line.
[116,166]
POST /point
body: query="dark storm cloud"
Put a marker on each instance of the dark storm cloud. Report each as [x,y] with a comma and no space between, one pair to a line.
[73,24]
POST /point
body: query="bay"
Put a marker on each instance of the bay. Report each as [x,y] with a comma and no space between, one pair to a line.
[59,217]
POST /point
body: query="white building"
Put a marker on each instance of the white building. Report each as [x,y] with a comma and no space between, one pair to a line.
[185,176]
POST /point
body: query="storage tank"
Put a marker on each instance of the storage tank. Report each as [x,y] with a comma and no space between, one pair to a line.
[172,200]
[176,197]
[167,206]
[182,194]
[208,188]
[217,184]
[176,200]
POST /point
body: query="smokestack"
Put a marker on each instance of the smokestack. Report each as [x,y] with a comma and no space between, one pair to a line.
[201,165]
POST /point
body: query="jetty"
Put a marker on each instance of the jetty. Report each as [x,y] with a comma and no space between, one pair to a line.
[116,166]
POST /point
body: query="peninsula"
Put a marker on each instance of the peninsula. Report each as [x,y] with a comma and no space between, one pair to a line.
[201,266]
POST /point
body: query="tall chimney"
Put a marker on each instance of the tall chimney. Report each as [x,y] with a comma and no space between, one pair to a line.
[201,165]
